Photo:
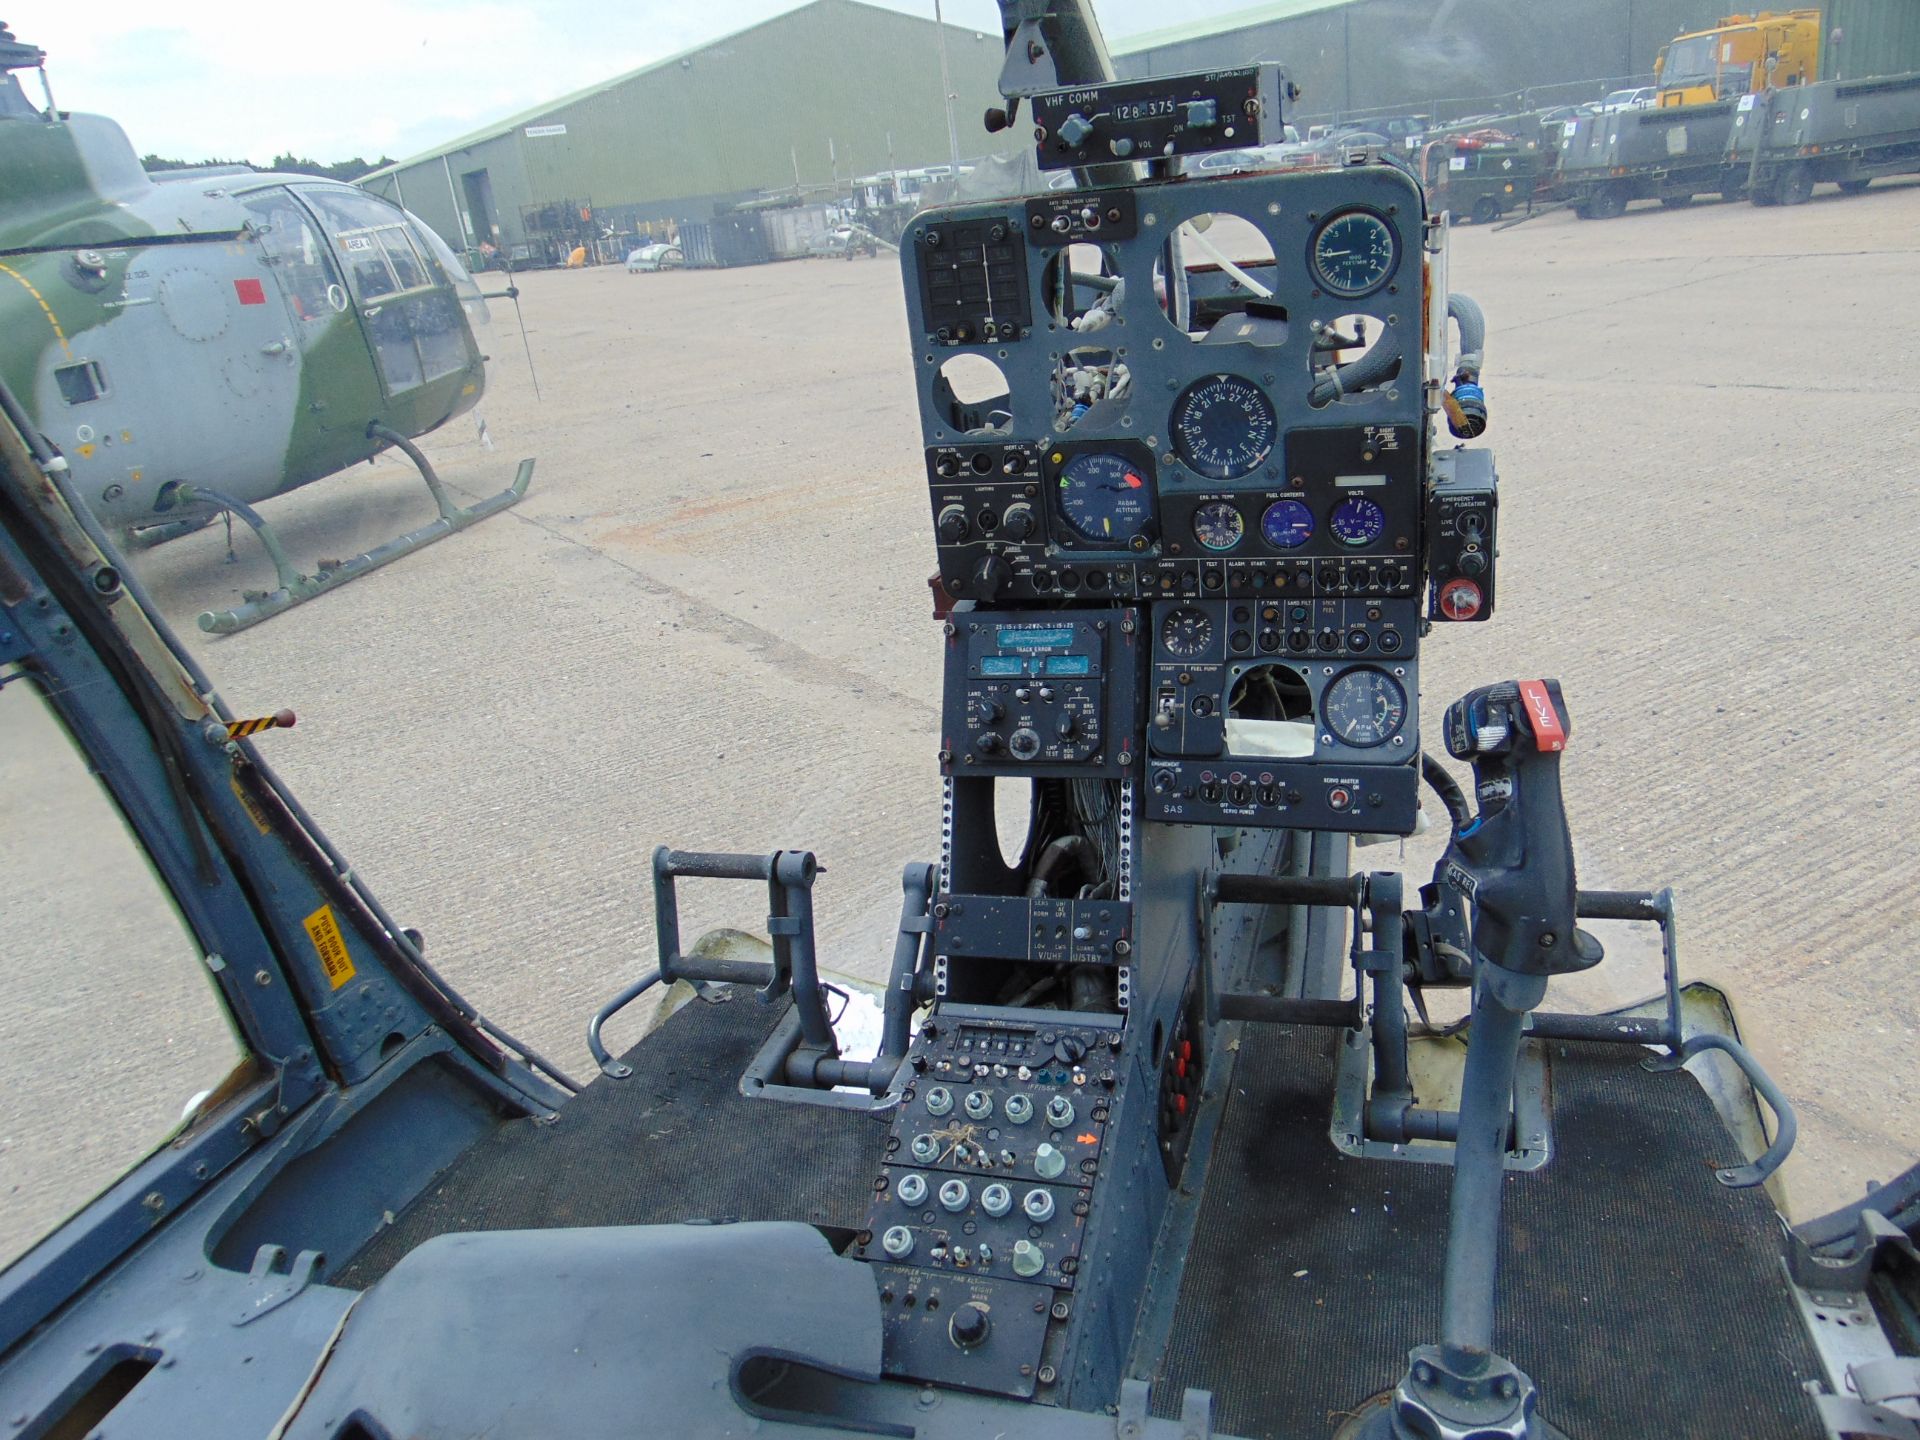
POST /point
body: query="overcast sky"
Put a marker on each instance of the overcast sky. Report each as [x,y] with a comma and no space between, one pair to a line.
[361,77]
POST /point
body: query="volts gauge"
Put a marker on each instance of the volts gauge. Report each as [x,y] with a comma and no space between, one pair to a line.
[1357,521]
[1353,253]
[1222,427]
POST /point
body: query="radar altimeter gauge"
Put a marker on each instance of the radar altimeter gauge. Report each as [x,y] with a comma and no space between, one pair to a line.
[1223,427]
[1218,525]
[1353,253]
[1186,633]
[1364,708]
[1106,499]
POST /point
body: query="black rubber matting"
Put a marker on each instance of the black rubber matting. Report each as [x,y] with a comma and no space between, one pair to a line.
[1644,1298]
[674,1141]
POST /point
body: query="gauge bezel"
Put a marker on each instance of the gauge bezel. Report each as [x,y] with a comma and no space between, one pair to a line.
[1206,646]
[1326,699]
[1065,534]
[1320,276]
[1341,540]
[1193,524]
[1313,524]
[1174,442]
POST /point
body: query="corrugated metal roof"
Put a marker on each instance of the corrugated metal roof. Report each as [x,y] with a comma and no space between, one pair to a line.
[510,123]
[1220,24]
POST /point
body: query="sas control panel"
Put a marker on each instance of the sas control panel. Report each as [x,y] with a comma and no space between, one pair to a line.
[1292,715]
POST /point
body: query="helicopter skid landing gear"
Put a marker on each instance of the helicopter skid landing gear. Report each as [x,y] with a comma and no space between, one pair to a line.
[294,587]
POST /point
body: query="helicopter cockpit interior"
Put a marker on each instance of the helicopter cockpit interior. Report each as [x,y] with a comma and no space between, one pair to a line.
[1154,1137]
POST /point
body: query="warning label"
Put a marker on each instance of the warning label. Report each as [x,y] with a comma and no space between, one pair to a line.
[330,945]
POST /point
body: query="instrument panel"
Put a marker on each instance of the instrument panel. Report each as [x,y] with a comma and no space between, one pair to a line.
[1202,401]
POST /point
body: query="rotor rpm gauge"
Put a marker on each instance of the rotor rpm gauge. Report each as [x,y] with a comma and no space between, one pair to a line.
[1218,525]
[1357,521]
[1222,427]
[1106,499]
[1186,633]
[1353,253]
[1364,708]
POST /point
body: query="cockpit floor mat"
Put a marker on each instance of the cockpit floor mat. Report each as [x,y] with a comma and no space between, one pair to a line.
[674,1141]
[1644,1298]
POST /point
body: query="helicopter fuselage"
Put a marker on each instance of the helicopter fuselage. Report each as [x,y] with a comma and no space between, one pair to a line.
[240,333]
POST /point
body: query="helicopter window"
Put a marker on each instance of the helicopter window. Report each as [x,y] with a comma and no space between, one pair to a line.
[293,248]
[80,383]
[108,992]
[405,260]
[367,266]
[439,332]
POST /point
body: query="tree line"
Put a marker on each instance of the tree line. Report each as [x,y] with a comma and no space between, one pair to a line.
[290,164]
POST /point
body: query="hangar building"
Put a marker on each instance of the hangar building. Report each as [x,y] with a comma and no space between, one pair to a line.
[817,96]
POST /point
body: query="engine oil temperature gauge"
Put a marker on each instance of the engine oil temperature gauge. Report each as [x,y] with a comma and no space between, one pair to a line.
[1218,525]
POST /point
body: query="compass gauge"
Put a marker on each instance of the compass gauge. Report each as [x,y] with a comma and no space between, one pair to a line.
[1223,427]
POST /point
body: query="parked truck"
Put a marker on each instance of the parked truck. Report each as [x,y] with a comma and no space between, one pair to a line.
[1481,175]
[1741,55]
[1670,154]
[1784,142]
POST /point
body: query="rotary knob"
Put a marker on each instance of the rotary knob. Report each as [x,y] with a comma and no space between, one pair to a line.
[990,577]
[1018,522]
[952,524]
[1028,1259]
[1048,1163]
[968,1327]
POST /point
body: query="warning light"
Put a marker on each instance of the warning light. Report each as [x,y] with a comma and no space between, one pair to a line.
[1460,600]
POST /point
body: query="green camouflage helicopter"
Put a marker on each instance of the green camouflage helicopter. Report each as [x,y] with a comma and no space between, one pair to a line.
[195,345]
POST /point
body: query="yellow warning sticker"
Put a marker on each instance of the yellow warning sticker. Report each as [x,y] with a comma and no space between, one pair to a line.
[254,810]
[330,945]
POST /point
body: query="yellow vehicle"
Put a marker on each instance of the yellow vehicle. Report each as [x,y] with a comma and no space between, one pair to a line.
[1742,53]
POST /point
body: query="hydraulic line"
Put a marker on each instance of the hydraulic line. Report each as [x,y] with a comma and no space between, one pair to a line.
[1447,788]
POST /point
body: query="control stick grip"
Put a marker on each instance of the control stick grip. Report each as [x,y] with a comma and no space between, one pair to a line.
[1513,862]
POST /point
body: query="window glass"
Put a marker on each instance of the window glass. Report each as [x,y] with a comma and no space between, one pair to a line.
[406,263]
[292,245]
[112,1028]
